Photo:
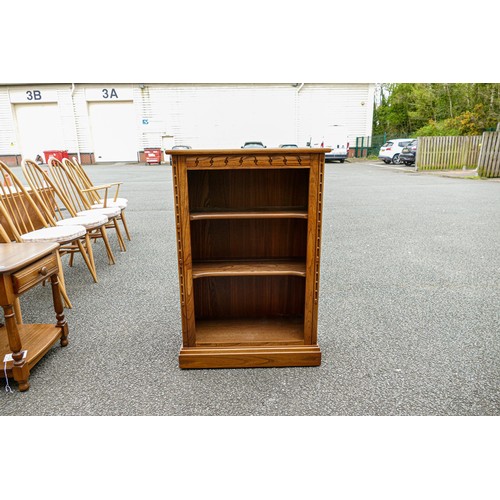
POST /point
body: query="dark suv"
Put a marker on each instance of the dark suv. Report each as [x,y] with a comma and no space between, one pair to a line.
[409,153]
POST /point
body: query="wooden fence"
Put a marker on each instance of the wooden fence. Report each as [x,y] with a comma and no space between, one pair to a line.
[448,152]
[488,164]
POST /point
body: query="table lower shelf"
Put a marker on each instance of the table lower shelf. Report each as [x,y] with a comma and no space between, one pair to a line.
[36,339]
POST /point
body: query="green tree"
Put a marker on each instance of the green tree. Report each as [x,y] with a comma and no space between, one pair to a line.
[413,109]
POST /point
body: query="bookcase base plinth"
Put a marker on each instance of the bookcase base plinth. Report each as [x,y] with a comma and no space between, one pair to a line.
[249,357]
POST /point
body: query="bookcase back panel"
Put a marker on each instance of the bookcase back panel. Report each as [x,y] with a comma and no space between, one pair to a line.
[248,189]
[249,297]
[248,239]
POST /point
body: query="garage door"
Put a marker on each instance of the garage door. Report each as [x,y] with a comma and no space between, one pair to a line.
[39,128]
[114,131]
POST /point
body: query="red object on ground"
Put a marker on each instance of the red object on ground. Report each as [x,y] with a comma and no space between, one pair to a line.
[153,155]
[57,154]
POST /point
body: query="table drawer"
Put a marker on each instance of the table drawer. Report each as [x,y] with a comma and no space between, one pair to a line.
[29,276]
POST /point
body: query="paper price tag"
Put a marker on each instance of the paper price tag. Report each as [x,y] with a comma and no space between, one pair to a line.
[8,357]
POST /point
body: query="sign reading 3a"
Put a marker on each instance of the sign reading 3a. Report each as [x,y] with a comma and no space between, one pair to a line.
[109,94]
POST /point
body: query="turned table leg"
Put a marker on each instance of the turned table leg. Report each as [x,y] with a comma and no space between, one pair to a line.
[20,370]
[59,309]
[17,311]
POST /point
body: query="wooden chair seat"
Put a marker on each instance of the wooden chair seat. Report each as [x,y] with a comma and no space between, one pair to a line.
[111,202]
[60,234]
[87,221]
[108,212]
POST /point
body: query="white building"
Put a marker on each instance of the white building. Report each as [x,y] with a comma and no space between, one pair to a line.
[115,122]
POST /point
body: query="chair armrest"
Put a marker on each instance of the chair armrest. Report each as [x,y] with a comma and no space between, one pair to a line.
[98,188]
[117,184]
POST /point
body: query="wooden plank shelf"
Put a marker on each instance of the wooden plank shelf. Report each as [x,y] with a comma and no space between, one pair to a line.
[249,268]
[250,331]
[249,214]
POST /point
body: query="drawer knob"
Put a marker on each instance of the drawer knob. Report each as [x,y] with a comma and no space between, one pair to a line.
[43,271]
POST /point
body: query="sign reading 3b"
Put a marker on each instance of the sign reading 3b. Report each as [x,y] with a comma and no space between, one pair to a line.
[33,95]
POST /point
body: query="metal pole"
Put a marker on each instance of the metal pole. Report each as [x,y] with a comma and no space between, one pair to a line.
[76,125]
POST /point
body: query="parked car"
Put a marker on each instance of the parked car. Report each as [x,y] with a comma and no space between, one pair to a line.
[390,151]
[288,146]
[409,153]
[334,137]
[253,144]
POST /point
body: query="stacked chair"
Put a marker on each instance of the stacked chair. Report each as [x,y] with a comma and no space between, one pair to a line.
[74,190]
[63,212]
[23,221]
[97,202]
[60,205]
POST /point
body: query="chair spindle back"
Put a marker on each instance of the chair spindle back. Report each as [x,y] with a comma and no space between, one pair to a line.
[19,211]
[68,185]
[45,190]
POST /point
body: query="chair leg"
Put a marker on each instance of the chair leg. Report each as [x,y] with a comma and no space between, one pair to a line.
[86,259]
[124,222]
[88,245]
[119,236]
[71,259]
[62,284]
[104,234]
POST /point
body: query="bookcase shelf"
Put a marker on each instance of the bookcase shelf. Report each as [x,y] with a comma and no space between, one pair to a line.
[249,268]
[250,331]
[248,236]
[270,213]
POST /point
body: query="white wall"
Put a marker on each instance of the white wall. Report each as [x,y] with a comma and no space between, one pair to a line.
[200,115]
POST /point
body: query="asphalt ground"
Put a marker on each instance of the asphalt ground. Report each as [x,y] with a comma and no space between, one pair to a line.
[409,322]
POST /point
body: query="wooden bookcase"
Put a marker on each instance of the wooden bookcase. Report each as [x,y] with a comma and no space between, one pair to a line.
[249,237]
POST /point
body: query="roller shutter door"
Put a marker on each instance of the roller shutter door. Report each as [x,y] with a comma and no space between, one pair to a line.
[39,129]
[114,131]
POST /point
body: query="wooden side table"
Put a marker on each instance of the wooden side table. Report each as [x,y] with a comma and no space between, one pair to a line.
[23,266]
